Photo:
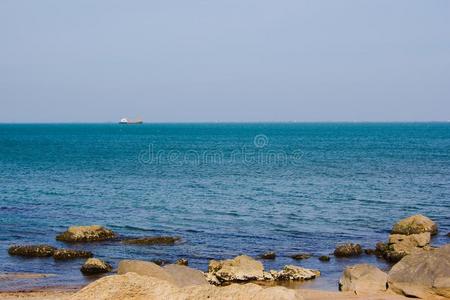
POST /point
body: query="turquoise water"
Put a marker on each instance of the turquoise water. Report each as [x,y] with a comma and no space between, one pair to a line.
[225,189]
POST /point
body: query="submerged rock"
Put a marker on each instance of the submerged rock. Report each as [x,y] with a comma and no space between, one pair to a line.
[32,250]
[153,240]
[182,262]
[86,234]
[95,266]
[422,274]
[363,278]
[348,250]
[300,256]
[291,272]
[415,225]
[71,254]
[324,258]
[268,255]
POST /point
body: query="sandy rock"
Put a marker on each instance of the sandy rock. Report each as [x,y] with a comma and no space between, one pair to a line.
[247,291]
[400,245]
[300,256]
[363,278]
[138,287]
[95,266]
[239,269]
[348,250]
[144,268]
[153,240]
[86,234]
[414,225]
[32,250]
[63,254]
[185,276]
[291,272]
[422,274]
[269,255]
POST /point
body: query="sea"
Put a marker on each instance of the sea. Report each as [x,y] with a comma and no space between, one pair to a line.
[225,189]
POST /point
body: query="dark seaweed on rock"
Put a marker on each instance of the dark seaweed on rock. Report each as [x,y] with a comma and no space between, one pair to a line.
[348,250]
[299,256]
[153,240]
[32,250]
[63,254]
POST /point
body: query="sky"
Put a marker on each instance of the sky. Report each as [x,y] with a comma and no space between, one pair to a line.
[225,61]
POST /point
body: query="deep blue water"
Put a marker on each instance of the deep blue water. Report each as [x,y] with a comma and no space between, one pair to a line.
[225,189]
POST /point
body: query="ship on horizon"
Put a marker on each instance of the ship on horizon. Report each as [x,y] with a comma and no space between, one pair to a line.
[126,121]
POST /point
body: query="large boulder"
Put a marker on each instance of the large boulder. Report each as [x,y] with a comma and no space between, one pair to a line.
[348,250]
[239,269]
[32,250]
[153,240]
[414,225]
[144,268]
[363,278]
[400,245]
[175,274]
[185,276]
[86,234]
[138,287]
[422,274]
[95,266]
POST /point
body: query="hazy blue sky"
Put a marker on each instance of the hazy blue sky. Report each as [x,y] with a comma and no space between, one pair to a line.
[229,60]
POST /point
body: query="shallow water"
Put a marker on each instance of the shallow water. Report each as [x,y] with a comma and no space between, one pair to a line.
[225,189]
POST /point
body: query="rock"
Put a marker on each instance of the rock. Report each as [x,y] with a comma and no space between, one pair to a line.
[380,249]
[144,268]
[422,274]
[448,234]
[292,272]
[324,258]
[182,262]
[268,255]
[70,254]
[400,245]
[369,251]
[86,234]
[363,278]
[153,240]
[299,256]
[185,276]
[95,266]
[160,262]
[239,269]
[32,250]
[348,250]
[414,225]
[138,287]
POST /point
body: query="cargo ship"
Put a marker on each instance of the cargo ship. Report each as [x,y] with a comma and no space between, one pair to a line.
[126,121]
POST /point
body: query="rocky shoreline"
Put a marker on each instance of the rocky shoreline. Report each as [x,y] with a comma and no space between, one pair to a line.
[419,270]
